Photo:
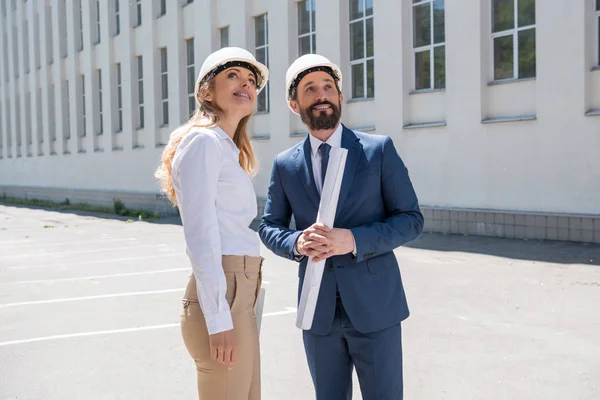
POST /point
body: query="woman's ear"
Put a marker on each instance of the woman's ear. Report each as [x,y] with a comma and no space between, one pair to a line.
[206,94]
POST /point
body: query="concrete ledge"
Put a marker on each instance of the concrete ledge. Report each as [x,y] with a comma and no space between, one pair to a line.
[145,201]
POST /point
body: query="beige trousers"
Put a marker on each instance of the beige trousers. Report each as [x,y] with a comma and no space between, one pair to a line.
[215,381]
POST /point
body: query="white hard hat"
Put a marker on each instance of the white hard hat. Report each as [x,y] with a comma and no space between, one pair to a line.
[228,57]
[304,65]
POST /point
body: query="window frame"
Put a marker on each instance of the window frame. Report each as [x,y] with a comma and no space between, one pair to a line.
[164,95]
[264,46]
[119,74]
[140,94]
[514,32]
[191,78]
[312,30]
[430,47]
[365,59]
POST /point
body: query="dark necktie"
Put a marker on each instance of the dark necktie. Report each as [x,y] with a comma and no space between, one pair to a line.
[324,149]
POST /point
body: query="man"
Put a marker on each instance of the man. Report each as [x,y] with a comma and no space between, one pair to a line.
[361,301]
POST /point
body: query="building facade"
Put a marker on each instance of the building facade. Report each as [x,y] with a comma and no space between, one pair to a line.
[494,105]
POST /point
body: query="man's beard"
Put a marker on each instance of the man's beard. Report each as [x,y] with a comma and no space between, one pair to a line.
[322,121]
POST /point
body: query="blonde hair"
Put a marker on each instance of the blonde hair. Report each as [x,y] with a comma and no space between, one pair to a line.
[206,115]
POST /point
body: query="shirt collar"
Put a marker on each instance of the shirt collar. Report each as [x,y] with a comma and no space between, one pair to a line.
[335,140]
[225,136]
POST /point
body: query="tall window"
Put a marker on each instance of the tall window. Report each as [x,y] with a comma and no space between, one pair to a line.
[38,39]
[52,114]
[28,113]
[80,37]
[513,39]
[1,132]
[224,33]
[49,41]
[362,52]
[119,99]
[40,132]
[140,81]
[62,28]
[98,21]
[18,124]
[429,44]
[100,113]
[164,80]
[26,46]
[191,75]
[9,129]
[117,18]
[306,28]
[261,40]
[66,112]
[598,29]
[138,12]
[15,52]
[163,8]
[83,124]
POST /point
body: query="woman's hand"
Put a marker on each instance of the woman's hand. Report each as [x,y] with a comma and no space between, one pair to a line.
[224,348]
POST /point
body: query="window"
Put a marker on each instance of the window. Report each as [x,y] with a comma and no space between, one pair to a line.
[28,134]
[513,39]
[49,42]
[306,28]
[429,39]
[224,32]
[26,46]
[101,127]
[15,52]
[119,99]
[140,80]
[138,12]
[261,40]
[18,124]
[186,2]
[191,75]
[164,80]
[362,52]
[52,113]
[117,18]
[66,113]
[163,8]
[40,131]
[1,134]
[9,129]
[38,39]
[5,56]
[598,30]
[83,125]
[98,37]
[80,37]
[62,28]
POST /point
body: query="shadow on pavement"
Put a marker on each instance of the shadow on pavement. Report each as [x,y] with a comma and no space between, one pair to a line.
[534,250]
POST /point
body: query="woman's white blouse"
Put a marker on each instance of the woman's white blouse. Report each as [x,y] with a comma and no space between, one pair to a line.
[217,204]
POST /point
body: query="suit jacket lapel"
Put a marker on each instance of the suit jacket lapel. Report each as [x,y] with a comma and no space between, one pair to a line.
[352,143]
[305,172]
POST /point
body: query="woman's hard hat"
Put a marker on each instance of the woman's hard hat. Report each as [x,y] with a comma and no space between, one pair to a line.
[303,66]
[228,57]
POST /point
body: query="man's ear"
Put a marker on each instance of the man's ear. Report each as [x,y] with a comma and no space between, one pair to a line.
[295,106]
[341,98]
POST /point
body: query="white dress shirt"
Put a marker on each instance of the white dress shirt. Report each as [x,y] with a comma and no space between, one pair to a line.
[335,140]
[217,203]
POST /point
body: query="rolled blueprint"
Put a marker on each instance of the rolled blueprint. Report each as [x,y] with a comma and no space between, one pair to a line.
[326,216]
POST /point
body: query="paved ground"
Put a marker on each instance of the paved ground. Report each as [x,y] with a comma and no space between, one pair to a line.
[89,309]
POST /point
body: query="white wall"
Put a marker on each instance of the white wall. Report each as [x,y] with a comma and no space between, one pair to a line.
[549,163]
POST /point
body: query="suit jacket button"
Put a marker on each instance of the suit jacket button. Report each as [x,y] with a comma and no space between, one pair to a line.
[331,267]
[286,254]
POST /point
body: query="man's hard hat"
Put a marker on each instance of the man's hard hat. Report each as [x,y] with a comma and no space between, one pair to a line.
[228,57]
[304,65]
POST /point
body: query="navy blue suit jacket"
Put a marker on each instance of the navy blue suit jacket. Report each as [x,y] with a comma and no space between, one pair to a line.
[377,203]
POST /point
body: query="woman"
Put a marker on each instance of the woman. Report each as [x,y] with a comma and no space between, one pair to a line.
[205,171]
